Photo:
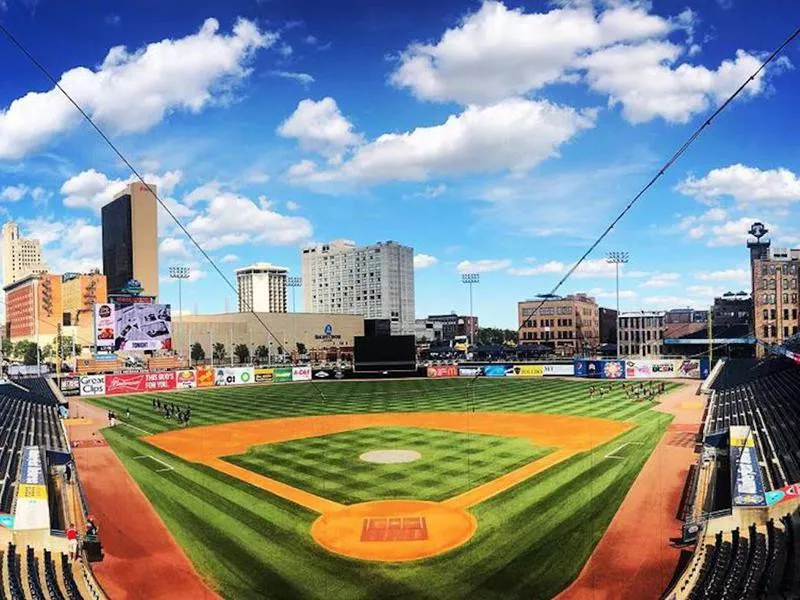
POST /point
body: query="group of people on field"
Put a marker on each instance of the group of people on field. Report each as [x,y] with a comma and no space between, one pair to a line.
[643,390]
[183,414]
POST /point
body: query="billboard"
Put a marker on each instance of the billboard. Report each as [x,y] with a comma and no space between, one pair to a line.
[651,369]
[104,327]
[562,370]
[185,379]
[93,385]
[525,371]
[470,371]
[282,374]
[613,369]
[301,373]
[589,368]
[140,327]
[70,386]
[747,485]
[263,375]
[131,383]
[494,370]
[443,371]
[790,492]
[204,376]
[234,375]
[385,353]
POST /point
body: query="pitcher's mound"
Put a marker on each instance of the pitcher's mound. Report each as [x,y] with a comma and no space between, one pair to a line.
[390,457]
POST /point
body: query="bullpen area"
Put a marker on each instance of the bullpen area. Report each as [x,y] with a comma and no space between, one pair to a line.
[426,488]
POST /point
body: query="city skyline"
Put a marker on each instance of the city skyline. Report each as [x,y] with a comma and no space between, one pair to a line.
[274,146]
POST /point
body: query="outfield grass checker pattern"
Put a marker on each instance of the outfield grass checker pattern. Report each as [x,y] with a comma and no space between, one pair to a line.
[329,466]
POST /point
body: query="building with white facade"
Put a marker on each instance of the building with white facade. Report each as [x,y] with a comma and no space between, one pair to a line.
[262,288]
[641,334]
[375,281]
[21,257]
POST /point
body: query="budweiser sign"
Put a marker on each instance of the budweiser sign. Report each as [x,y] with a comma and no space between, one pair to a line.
[132,383]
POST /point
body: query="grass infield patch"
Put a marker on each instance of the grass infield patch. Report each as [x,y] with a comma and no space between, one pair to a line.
[329,465]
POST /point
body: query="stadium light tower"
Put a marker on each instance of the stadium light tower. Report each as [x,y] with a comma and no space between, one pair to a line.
[617,259]
[180,273]
[470,279]
[294,283]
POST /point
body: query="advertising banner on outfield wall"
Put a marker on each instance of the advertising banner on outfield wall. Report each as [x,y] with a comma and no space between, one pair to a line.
[443,371]
[282,374]
[494,370]
[589,368]
[234,375]
[131,383]
[301,373]
[263,375]
[470,371]
[93,385]
[204,377]
[562,370]
[613,369]
[70,386]
[185,379]
[525,371]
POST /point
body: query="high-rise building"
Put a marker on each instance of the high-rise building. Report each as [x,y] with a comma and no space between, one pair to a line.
[375,281]
[262,288]
[130,239]
[774,273]
[569,325]
[21,256]
[641,333]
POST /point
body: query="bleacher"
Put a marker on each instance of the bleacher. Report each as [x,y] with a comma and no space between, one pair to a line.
[762,562]
[37,575]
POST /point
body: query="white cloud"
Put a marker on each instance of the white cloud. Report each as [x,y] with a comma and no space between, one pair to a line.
[257,176]
[660,280]
[515,134]
[39,194]
[423,261]
[202,193]
[734,275]
[747,186]
[231,219]
[173,248]
[733,233]
[483,266]
[13,193]
[303,78]
[70,245]
[187,74]
[552,266]
[320,127]
[229,258]
[593,267]
[292,205]
[603,293]
[92,189]
[113,19]
[511,52]
[669,302]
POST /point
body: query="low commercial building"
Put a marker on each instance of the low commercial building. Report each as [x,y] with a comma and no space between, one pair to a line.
[453,324]
[427,331]
[641,334]
[314,331]
[79,294]
[34,308]
[569,325]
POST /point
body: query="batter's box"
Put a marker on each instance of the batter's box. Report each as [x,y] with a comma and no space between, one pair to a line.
[394,529]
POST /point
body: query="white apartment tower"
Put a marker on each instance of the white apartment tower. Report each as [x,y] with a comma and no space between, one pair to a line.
[21,257]
[375,281]
[262,288]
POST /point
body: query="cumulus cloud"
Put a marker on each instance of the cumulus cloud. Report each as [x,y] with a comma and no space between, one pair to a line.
[68,245]
[747,186]
[604,293]
[733,233]
[734,275]
[514,134]
[13,193]
[229,258]
[202,193]
[320,127]
[552,266]
[593,267]
[184,74]
[485,265]
[171,247]
[660,280]
[423,261]
[303,78]
[92,189]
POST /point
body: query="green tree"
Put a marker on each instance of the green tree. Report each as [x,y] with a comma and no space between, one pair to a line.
[242,353]
[65,343]
[47,351]
[261,352]
[20,348]
[301,348]
[219,351]
[197,352]
[30,354]
[8,348]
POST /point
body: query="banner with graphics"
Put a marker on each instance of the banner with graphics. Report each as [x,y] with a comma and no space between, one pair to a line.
[562,370]
[93,385]
[31,510]
[589,368]
[185,379]
[204,376]
[494,370]
[790,492]
[443,371]
[301,373]
[651,369]
[746,482]
[105,323]
[131,383]
[525,371]
[282,374]
[234,375]
[70,386]
[263,375]
[613,369]
[470,371]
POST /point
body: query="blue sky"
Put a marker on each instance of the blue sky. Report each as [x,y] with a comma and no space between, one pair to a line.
[492,137]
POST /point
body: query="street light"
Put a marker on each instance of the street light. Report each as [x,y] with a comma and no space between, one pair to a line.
[180,273]
[469,279]
[294,283]
[617,259]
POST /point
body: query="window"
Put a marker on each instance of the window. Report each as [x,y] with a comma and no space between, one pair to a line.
[772,314]
[772,301]
[785,312]
[773,330]
[764,300]
[786,301]
[785,332]
[766,313]
[772,269]
[794,313]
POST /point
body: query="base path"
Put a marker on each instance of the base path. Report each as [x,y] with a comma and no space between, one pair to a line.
[635,560]
[141,559]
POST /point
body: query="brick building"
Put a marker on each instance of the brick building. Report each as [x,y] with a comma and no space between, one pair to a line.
[79,294]
[641,334]
[569,325]
[34,308]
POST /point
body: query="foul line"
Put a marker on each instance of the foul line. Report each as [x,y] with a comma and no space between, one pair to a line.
[137,428]
[612,454]
[167,467]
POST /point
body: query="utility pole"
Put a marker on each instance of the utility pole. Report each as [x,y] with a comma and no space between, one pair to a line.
[470,279]
[617,259]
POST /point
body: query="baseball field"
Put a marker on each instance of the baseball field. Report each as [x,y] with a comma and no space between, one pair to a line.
[452,488]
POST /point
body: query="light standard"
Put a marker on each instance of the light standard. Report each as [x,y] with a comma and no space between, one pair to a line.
[180,273]
[469,279]
[617,259]
[294,283]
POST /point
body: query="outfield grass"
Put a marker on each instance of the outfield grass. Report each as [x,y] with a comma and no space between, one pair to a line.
[531,540]
[450,463]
